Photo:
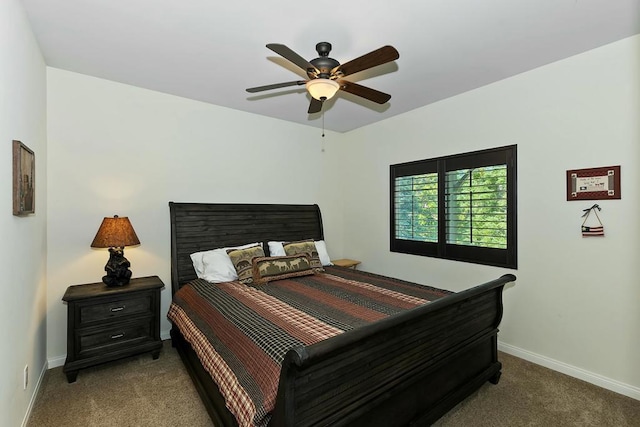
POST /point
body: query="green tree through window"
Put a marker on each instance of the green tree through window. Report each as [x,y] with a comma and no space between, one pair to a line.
[476,206]
[416,204]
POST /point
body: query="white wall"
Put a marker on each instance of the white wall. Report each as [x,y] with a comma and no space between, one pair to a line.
[118,149]
[23,249]
[575,304]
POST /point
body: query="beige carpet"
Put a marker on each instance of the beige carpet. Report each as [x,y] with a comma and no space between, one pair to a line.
[137,391]
[531,395]
[140,391]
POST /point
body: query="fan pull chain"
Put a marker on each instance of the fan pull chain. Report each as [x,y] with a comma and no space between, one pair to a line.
[322,149]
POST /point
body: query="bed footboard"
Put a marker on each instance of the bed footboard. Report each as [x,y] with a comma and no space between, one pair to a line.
[408,369]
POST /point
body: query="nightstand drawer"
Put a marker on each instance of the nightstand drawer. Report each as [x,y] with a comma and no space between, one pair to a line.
[115,309]
[104,340]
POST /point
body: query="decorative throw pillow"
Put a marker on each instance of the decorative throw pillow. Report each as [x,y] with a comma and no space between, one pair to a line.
[268,269]
[308,248]
[241,260]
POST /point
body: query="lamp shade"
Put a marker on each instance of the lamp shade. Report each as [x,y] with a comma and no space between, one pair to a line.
[115,232]
[322,89]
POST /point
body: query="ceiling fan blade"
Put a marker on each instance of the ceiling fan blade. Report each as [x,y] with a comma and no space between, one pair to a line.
[276,86]
[364,92]
[372,59]
[290,55]
[315,106]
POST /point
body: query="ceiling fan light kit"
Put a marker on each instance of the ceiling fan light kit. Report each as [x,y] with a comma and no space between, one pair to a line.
[322,89]
[326,74]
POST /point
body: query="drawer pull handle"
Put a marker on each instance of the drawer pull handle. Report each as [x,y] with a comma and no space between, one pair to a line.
[116,336]
[113,310]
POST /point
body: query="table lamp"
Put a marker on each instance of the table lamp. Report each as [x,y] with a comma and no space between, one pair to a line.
[116,233]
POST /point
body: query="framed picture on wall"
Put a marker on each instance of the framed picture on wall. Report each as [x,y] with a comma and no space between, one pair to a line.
[594,184]
[24,184]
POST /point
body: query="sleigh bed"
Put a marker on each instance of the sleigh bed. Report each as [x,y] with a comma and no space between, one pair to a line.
[408,368]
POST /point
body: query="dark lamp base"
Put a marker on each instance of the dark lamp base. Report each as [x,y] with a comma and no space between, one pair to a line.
[117,268]
[116,281]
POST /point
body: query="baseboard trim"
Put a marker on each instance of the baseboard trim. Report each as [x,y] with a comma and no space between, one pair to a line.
[55,362]
[573,371]
[36,390]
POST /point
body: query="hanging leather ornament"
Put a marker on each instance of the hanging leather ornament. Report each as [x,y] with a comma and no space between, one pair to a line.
[592,230]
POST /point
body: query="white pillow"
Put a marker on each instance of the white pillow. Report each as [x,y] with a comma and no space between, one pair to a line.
[198,266]
[276,249]
[321,247]
[215,265]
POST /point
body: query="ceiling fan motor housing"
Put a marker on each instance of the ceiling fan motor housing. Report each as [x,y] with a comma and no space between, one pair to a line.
[324,64]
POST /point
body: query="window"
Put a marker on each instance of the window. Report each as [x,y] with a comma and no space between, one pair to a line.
[460,207]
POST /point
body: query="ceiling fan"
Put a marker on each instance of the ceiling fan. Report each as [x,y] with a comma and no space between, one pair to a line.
[326,74]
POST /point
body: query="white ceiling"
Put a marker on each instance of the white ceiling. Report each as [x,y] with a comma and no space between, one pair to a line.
[212,50]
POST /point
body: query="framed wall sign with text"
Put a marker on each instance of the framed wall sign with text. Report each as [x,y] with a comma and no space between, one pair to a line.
[594,184]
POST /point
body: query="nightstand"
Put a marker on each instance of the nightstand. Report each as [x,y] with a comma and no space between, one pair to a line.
[109,323]
[348,263]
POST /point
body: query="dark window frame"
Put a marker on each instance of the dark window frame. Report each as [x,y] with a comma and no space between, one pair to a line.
[441,249]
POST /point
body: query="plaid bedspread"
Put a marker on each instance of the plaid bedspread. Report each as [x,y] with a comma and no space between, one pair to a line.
[242,333]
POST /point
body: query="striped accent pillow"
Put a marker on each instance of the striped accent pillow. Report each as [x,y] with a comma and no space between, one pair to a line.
[268,269]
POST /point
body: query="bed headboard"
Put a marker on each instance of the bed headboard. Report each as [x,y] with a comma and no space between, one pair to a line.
[202,226]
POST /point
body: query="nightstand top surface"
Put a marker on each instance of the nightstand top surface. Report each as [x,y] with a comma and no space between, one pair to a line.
[345,262]
[90,290]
